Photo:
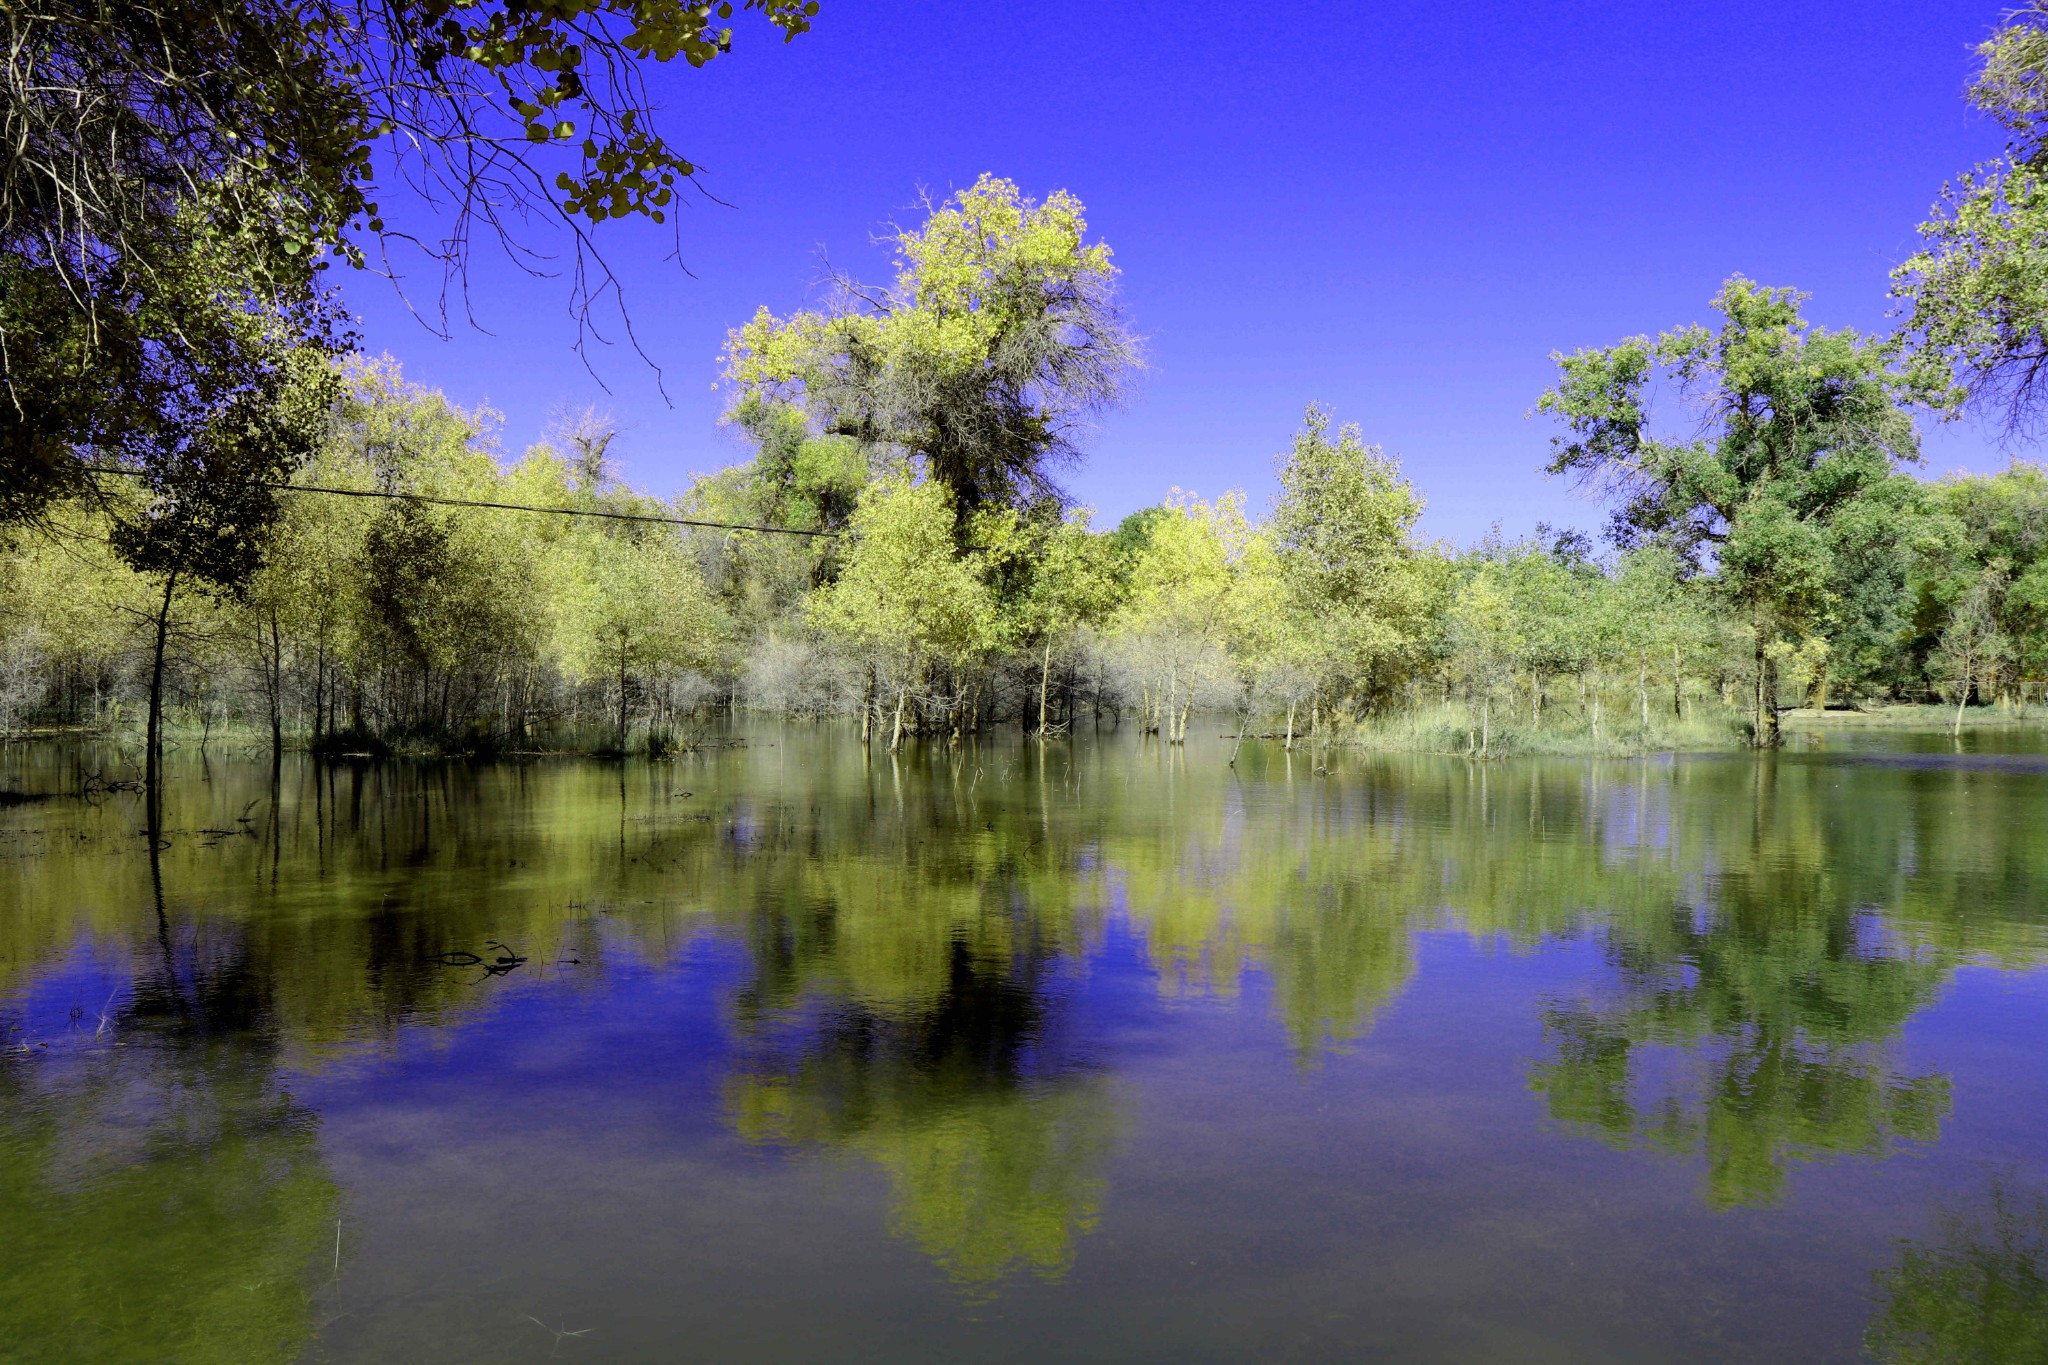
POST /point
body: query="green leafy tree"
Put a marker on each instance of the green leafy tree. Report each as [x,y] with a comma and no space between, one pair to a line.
[640,605]
[1484,643]
[906,599]
[1196,587]
[1068,583]
[137,133]
[1358,593]
[210,464]
[1976,293]
[1802,426]
[1659,624]
[1972,647]
[999,334]
[1992,529]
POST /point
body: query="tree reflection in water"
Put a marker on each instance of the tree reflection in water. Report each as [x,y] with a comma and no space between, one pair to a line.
[994,1135]
[1753,1041]
[913,943]
[161,1195]
[1976,1291]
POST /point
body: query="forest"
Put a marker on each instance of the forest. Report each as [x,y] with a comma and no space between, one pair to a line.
[273,533]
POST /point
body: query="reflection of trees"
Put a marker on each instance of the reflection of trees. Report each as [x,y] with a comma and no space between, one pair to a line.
[1753,1028]
[993,1138]
[908,926]
[161,1198]
[1978,1291]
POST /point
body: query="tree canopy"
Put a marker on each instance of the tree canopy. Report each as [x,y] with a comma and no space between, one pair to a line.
[263,135]
[1976,293]
[999,334]
[1804,432]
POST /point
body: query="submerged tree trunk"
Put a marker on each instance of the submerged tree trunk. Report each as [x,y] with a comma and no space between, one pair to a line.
[320,695]
[153,739]
[896,737]
[276,692]
[1290,726]
[622,692]
[1766,696]
[1044,679]
[1962,697]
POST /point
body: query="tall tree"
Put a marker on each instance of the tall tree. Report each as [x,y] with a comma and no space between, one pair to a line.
[209,461]
[1976,293]
[1343,524]
[277,126]
[1801,425]
[906,600]
[999,334]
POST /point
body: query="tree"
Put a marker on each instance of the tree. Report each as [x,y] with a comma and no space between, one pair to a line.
[1802,425]
[141,137]
[1000,333]
[1483,642]
[209,469]
[906,598]
[1657,622]
[1991,528]
[1976,293]
[1187,603]
[1342,532]
[1067,582]
[1972,647]
[640,605]
[251,125]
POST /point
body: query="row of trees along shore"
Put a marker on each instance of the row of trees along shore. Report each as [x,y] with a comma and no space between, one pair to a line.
[252,525]
[1782,553]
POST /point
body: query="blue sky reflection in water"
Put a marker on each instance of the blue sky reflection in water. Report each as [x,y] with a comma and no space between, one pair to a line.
[1118,1055]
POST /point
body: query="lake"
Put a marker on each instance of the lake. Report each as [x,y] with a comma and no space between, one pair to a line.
[1094,1051]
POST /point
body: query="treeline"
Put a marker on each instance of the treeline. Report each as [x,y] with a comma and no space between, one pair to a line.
[173,371]
[388,621]
[380,619]
[304,555]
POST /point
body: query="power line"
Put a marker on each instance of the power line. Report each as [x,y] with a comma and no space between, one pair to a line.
[494,506]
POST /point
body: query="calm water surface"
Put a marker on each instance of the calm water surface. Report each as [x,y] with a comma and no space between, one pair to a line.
[1100,1052]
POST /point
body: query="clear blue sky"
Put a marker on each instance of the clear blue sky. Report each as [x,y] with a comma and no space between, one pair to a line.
[1397,209]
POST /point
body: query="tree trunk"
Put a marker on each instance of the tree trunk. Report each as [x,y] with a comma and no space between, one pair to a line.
[320,695]
[276,692]
[1962,698]
[1767,736]
[153,740]
[896,738]
[622,692]
[1044,679]
[1290,726]
[1643,689]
